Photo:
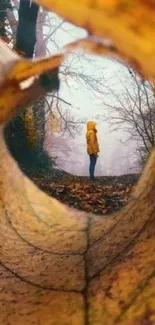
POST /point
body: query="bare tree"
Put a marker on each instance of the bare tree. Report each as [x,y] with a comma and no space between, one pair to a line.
[133,110]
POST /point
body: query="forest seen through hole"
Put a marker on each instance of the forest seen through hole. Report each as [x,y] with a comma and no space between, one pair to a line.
[52,132]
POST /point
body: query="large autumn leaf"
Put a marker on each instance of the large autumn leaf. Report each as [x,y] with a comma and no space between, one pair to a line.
[59,266]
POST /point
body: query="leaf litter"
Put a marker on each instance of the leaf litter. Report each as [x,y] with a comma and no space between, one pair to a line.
[105,195]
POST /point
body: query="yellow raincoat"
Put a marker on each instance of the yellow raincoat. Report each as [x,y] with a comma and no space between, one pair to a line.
[91,137]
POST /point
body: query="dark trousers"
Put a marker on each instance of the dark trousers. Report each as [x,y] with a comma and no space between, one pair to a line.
[93,160]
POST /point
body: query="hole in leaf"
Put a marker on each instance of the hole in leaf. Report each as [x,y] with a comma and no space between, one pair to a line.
[48,139]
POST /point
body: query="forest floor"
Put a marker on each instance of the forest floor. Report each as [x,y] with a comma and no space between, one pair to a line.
[104,196]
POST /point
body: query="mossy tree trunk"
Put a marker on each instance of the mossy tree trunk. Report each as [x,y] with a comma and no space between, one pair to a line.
[29,126]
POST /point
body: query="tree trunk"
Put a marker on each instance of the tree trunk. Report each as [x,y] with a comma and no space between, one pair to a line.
[29,126]
[26,31]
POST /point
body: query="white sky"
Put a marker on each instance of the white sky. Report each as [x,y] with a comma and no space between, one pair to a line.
[115,157]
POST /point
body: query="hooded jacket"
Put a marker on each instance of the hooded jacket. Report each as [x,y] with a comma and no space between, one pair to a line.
[91,137]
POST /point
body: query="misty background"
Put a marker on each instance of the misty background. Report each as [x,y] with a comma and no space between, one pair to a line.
[117,155]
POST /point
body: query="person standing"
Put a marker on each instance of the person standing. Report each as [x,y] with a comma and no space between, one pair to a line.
[92,147]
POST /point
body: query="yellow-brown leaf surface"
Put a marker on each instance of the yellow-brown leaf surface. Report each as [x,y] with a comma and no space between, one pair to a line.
[59,266]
